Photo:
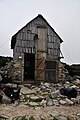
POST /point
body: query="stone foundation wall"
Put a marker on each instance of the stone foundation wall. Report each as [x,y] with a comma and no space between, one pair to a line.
[61,71]
[17,70]
[12,71]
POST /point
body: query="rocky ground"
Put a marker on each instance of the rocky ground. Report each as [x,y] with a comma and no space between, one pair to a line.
[73,112]
[43,102]
[39,102]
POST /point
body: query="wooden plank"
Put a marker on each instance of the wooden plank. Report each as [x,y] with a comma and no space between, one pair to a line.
[24,36]
[42,39]
[39,66]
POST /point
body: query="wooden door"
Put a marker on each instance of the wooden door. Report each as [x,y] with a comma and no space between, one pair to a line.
[51,71]
[41,54]
[39,66]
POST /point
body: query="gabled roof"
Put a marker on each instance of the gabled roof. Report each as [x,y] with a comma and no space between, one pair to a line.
[13,40]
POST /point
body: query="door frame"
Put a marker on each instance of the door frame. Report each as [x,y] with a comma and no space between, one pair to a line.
[29,66]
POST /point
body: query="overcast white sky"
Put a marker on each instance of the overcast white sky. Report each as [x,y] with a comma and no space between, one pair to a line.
[62,15]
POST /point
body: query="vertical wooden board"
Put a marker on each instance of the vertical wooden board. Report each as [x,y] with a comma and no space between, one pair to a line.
[42,39]
[33,29]
[23,43]
[17,42]
[24,36]
[16,49]
[50,32]
[22,54]
[40,65]
[39,75]
[21,35]
[15,55]
[26,50]
[20,49]
[24,29]
[18,36]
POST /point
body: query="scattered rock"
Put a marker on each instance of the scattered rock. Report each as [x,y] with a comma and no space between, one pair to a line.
[77,82]
[69,102]
[75,100]
[78,115]
[43,103]
[62,102]
[35,98]
[45,94]
[6,100]
[42,118]
[52,115]
[0,77]
[49,101]
[60,118]
[33,104]
[3,117]
[55,94]
[47,85]
[56,102]
[26,91]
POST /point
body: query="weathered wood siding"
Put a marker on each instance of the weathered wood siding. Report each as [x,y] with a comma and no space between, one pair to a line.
[46,45]
[53,45]
[25,40]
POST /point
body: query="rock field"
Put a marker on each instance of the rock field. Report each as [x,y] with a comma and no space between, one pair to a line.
[44,102]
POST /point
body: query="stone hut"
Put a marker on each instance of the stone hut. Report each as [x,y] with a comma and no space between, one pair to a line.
[37,47]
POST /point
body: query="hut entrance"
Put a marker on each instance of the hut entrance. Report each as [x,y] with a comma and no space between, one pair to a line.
[29,66]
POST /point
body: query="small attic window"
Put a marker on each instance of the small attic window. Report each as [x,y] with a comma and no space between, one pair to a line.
[35,37]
